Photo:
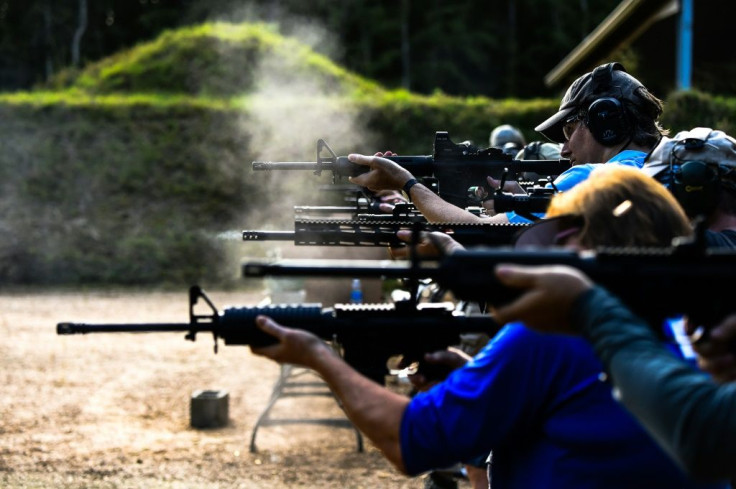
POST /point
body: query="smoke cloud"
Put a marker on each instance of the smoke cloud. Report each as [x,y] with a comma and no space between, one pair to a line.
[289,110]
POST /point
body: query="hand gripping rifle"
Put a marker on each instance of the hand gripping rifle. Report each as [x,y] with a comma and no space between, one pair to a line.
[368,333]
[454,168]
[656,283]
[382,232]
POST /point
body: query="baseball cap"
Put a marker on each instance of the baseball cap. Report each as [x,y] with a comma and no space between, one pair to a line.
[550,231]
[704,144]
[608,80]
[506,133]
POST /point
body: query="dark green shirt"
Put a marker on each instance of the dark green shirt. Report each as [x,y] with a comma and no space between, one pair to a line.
[692,417]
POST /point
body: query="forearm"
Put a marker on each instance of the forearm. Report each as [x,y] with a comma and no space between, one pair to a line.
[435,209]
[374,410]
[691,417]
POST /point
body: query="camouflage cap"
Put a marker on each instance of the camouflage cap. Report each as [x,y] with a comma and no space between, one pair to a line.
[698,144]
[608,80]
[540,150]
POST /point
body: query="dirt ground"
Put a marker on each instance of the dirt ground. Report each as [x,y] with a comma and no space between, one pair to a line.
[112,410]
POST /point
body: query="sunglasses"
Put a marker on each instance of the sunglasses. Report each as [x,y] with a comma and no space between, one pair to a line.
[571,126]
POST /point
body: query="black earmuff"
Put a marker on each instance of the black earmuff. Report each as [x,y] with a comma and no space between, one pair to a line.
[606,117]
[695,186]
[607,121]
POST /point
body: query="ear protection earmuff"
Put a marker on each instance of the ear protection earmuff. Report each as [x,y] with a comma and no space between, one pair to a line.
[606,117]
[607,121]
[694,183]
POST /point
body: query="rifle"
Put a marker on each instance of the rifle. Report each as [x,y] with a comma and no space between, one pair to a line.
[656,283]
[402,211]
[451,169]
[382,232]
[368,333]
[535,200]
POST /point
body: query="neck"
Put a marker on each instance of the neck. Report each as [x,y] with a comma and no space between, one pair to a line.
[611,152]
[635,147]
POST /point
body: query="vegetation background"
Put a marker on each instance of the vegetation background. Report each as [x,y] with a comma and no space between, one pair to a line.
[129,127]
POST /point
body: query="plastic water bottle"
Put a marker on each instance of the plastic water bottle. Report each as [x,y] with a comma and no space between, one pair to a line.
[356,292]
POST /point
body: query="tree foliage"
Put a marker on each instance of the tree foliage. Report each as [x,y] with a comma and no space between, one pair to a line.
[498,48]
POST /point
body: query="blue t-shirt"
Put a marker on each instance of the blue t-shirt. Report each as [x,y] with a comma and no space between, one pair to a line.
[578,173]
[541,404]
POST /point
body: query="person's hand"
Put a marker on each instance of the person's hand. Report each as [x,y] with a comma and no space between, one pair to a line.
[716,350]
[295,346]
[383,175]
[430,245]
[509,186]
[452,358]
[388,199]
[550,293]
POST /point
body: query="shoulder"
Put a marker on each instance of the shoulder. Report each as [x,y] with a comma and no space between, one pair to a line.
[576,174]
[515,344]
[629,158]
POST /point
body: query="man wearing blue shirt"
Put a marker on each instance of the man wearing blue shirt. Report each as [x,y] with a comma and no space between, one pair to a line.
[606,116]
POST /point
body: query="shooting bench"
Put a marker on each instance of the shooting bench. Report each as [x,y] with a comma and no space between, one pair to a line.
[289,384]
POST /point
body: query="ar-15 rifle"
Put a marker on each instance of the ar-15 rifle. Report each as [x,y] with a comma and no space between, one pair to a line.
[368,333]
[655,283]
[402,211]
[382,232]
[453,167]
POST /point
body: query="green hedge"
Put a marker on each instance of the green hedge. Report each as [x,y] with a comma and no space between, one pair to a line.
[685,110]
[119,194]
[127,192]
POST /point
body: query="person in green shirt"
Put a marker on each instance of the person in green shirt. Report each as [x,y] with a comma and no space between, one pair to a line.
[685,410]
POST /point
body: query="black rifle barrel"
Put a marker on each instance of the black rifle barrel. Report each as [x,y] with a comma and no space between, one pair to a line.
[382,232]
[269,235]
[521,203]
[84,328]
[450,171]
[421,166]
[369,333]
[326,209]
[332,268]
[236,325]
[655,282]
[417,165]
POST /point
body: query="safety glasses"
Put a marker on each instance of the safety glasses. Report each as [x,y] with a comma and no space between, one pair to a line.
[570,126]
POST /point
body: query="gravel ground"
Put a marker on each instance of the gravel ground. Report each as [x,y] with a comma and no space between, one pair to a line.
[112,410]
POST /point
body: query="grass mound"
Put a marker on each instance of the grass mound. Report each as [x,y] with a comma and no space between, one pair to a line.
[214,60]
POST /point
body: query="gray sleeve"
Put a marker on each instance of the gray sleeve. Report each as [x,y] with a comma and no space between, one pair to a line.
[690,416]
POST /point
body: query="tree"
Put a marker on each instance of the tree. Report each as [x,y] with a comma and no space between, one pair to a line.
[491,47]
[81,28]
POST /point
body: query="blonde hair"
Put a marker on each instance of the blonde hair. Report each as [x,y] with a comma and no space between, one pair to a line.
[622,207]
